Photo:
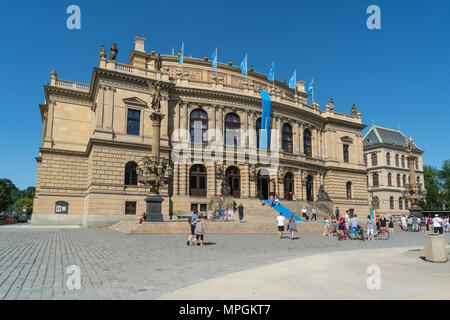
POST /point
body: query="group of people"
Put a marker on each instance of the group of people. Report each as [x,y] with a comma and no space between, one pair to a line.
[337,225]
[437,224]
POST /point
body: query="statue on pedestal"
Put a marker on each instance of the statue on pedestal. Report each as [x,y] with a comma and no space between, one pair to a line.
[102,52]
[156,92]
[113,52]
[354,111]
[158,62]
[323,195]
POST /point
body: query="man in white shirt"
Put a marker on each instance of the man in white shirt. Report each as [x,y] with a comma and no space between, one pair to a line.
[438,224]
[280,223]
[404,226]
[304,212]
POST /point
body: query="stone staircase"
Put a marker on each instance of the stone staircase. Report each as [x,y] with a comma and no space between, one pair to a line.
[296,207]
[258,219]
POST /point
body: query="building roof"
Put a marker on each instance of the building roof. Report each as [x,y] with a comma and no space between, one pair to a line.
[378,135]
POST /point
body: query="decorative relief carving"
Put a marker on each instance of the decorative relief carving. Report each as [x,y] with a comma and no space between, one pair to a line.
[212,74]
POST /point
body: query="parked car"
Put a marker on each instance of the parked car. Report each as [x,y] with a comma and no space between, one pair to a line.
[22,218]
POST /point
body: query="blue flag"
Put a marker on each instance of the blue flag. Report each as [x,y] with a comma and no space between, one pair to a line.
[214,60]
[244,66]
[310,88]
[271,72]
[182,54]
[264,133]
[293,80]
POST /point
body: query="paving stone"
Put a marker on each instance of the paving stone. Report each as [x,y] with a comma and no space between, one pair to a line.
[144,266]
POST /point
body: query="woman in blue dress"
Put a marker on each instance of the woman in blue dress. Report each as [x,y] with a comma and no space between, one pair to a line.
[292,226]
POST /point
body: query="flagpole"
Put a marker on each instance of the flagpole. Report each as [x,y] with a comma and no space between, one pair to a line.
[313,91]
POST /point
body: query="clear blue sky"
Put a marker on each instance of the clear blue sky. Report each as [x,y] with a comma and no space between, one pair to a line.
[397,76]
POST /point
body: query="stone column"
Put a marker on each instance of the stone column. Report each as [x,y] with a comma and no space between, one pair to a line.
[182,179]
[48,141]
[156,118]
[99,110]
[165,120]
[316,142]
[176,120]
[296,138]
[219,124]
[110,109]
[246,126]
[280,135]
[176,179]
[302,146]
[251,126]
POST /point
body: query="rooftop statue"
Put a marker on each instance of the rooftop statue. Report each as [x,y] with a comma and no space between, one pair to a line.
[102,52]
[158,62]
[113,52]
[353,111]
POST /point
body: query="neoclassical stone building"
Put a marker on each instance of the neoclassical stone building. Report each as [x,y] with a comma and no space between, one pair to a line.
[385,157]
[94,135]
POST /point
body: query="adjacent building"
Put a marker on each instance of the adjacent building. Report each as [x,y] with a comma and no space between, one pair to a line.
[385,157]
[94,134]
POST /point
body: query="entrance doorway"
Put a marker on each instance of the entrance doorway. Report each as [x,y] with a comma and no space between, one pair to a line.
[309,189]
[288,186]
[233,177]
[263,184]
[197,181]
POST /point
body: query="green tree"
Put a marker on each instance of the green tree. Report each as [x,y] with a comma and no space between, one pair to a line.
[6,189]
[444,176]
[433,200]
[21,203]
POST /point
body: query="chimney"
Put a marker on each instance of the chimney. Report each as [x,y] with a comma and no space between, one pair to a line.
[139,44]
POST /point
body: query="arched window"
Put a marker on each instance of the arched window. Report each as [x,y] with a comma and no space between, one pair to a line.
[289,186]
[404,180]
[400,203]
[287,137]
[391,203]
[233,178]
[348,188]
[307,143]
[388,159]
[197,181]
[396,161]
[365,159]
[398,181]
[416,163]
[232,129]
[403,161]
[375,179]
[375,203]
[389,179]
[199,126]
[418,179]
[374,159]
[130,174]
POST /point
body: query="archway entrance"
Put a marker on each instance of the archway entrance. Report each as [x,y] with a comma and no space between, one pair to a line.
[288,186]
[263,184]
[233,177]
[309,189]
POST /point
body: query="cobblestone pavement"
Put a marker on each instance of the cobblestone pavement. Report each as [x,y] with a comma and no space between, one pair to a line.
[33,261]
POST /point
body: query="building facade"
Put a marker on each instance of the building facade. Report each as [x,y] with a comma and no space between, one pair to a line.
[95,134]
[385,157]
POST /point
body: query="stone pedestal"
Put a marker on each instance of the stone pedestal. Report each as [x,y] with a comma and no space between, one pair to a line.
[415,211]
[435,250]
[217,202]
[154,212]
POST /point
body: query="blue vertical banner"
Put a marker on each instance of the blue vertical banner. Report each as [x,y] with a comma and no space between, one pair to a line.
[293,80]
[264,133]
[244,66]
[182,54]
[271,72]
[214,60]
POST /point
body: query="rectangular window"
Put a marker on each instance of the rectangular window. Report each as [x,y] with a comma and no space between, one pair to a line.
[130,207]
[133,122]
[345,152]
[194,207]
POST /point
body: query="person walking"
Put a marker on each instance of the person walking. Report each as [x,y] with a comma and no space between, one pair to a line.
[200,230]
[304,212]
[336,213]
[446,224]
[369,228]
[429,224]
[333,225]
[438,224]
[314,213]
[241,212]
[280,224]
[326,230]
[292,226]
[403,221]
[423,222]
[391,225]
[193,218]
[383,222]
